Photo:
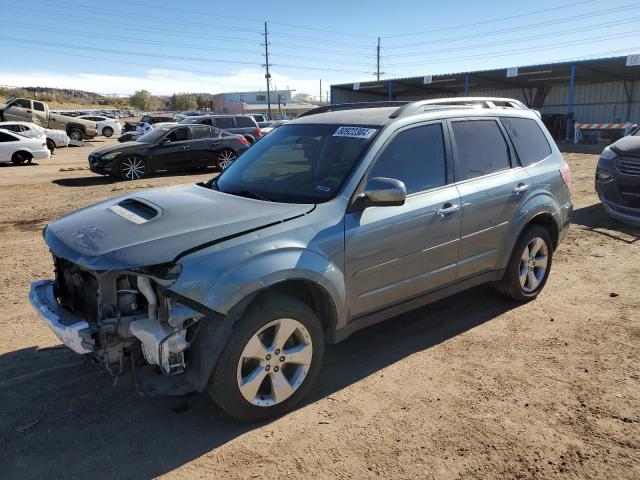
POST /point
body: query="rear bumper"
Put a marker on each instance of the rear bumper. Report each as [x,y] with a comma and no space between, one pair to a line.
[41,154]
[71,330]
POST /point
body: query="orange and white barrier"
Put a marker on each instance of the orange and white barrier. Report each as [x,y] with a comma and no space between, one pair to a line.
[577,135]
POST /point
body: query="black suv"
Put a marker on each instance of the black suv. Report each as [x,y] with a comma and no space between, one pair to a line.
[169,148]
[244,125]
[618,179]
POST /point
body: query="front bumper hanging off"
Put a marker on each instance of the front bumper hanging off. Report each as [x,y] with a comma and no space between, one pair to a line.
[71,330]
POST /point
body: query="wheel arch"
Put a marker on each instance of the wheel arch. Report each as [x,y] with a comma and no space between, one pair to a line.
[25,152]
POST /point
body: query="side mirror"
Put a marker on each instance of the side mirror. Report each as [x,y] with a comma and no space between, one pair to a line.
[381,192]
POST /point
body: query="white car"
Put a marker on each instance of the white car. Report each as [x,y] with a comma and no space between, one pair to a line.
[55,138]
[19,149]
[106,126]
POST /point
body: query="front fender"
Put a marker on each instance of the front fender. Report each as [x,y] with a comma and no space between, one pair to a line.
[258,272]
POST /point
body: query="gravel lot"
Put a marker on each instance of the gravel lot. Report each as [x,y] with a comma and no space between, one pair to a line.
[471,387]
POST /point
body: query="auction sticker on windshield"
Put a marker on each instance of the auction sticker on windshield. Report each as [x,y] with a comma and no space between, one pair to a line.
[354,132]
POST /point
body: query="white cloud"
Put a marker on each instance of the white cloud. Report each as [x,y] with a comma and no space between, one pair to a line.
[162,82]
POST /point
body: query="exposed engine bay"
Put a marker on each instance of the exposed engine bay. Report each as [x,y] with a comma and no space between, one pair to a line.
[126,313]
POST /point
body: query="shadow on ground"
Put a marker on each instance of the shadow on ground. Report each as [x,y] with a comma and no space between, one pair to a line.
[207,173]
[63,417]
[594,219]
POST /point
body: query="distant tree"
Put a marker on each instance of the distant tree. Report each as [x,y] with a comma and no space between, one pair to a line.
[183,102]
[142,100]
[302,98]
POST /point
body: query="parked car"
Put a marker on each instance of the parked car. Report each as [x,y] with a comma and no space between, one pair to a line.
[150,119]
[168,148]
[18,149]
[261,119]
[331,223]
[272,126]
[243,125]
[618,179]
[140,130]
[27,110]
[106,126]
[54,138]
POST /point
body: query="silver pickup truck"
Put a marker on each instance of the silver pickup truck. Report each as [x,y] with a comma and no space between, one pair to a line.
[27,110]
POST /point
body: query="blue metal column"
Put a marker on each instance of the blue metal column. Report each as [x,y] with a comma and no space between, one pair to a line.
[570,101]
[466,85]
[390,90]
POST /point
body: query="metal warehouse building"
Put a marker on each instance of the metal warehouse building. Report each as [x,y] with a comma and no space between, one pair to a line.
[603,90]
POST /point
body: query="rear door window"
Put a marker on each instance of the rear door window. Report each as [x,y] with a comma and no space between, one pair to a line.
[22,103]
[7,137]
[416,157]
[224,122]
[39,106]
[528,139]
[244,122]
[179,135]
[200,132]
[481,148]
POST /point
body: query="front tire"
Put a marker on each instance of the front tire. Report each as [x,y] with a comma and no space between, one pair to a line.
[271,360]
[225,158]
[529,266]
[107,132]
[133,167]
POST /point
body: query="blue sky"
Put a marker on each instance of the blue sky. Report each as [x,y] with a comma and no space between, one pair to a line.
[211,46]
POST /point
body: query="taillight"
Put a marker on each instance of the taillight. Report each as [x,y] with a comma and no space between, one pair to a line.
[565,171]
[259,132]
[244,140]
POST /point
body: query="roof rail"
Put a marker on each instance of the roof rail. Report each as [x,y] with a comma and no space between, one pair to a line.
[350,106]
[475,102]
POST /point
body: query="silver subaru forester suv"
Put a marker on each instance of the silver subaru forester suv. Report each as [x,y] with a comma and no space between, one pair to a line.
[346,216]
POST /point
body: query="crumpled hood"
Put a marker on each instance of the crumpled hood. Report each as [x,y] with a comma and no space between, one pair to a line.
[629,145]
[155,226]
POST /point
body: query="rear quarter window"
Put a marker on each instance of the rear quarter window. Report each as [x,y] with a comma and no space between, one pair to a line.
[528,139]
[245,122]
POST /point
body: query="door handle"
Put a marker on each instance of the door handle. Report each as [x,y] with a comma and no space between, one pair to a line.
[448,209]
[522,187]
[28,111]
[215,143]
[185,147]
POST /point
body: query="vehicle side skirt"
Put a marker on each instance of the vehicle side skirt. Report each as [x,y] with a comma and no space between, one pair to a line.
[369,319]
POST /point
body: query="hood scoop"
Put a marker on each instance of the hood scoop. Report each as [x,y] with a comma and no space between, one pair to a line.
[136,210]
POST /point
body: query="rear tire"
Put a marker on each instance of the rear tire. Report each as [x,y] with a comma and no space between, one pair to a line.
[273,371]
[76,134]
[51,145]
[529,267]
[107,132]
[20,158]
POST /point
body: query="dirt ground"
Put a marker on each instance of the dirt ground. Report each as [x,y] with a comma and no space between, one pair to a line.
[471,387]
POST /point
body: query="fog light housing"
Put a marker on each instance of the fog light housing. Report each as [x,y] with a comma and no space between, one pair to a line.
[603,177]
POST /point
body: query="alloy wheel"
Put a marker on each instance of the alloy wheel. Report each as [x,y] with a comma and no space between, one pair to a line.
[226,158]
[133,168]
[533,264]
[274,363]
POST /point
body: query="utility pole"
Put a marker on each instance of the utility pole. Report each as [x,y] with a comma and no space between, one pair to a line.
[320,90]
[267,75]
[377,60]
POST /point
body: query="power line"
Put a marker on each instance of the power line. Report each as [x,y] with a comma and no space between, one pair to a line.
[492,20]
[572,18]
[521,39]
[551,46]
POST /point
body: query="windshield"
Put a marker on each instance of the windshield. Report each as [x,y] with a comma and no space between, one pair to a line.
[297,163]
[152,136]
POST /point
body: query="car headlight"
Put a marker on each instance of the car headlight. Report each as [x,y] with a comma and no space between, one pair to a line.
[608,153]
[110,156]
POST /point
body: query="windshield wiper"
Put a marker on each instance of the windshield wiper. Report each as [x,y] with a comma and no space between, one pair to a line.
[251,194]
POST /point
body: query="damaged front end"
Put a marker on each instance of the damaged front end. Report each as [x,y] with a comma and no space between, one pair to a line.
[118,315]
